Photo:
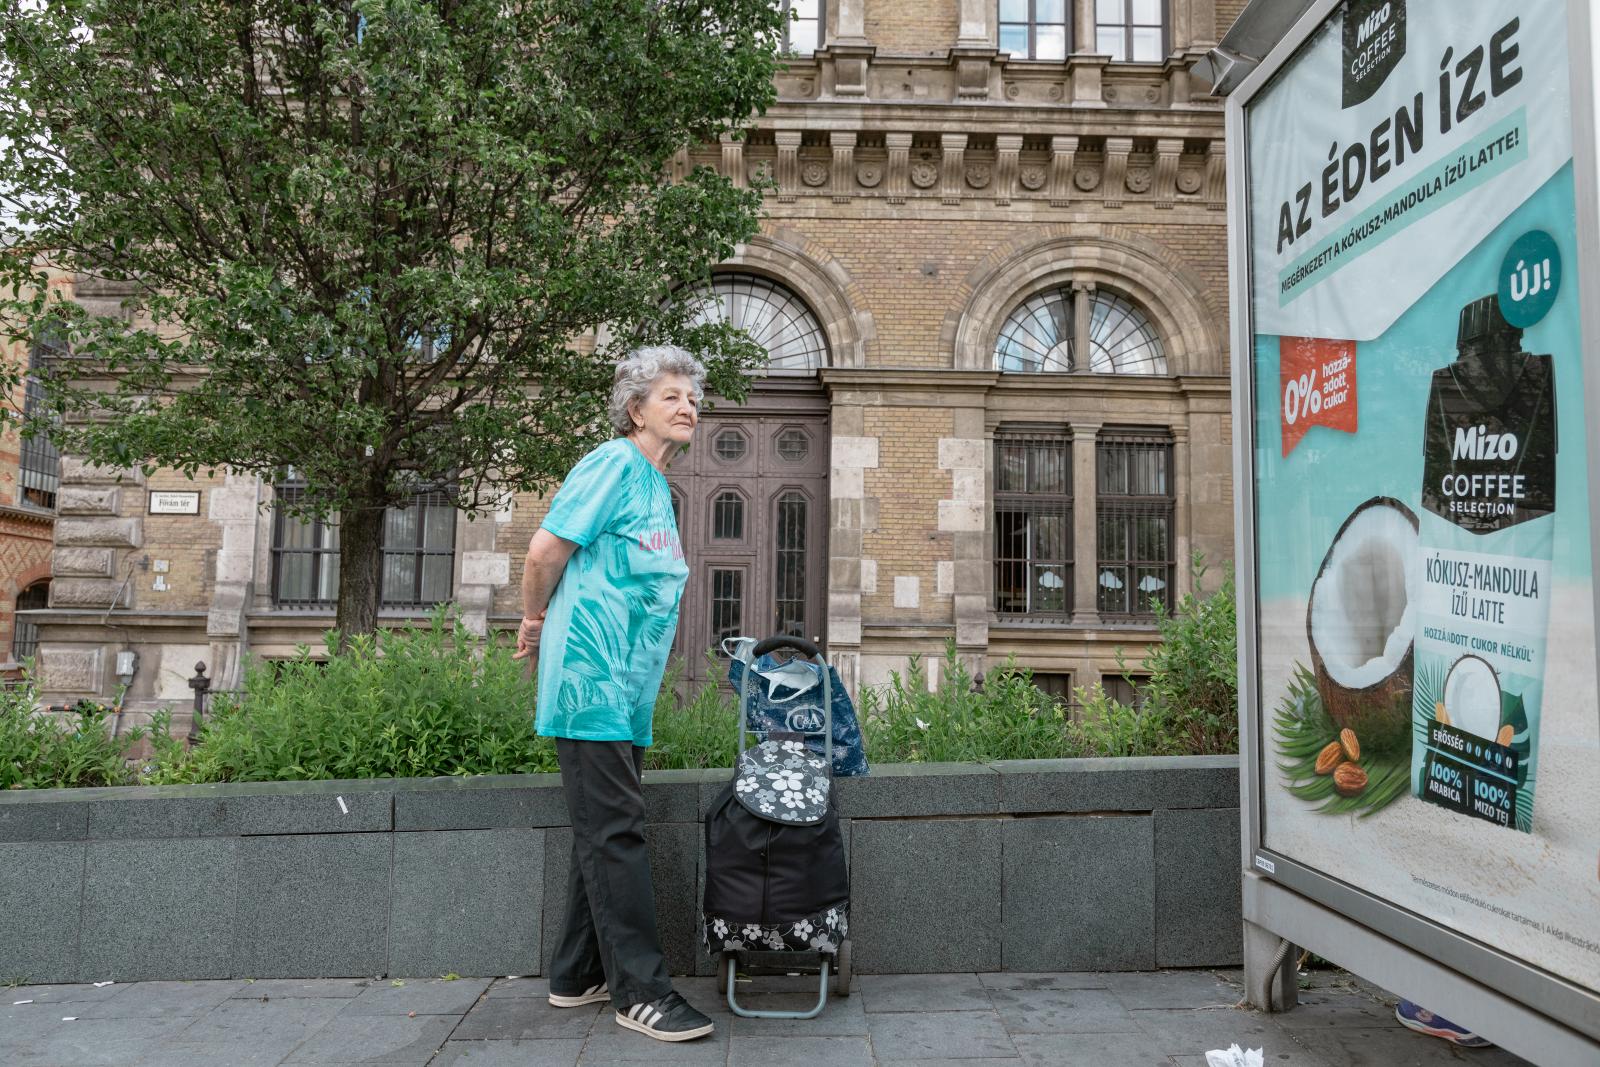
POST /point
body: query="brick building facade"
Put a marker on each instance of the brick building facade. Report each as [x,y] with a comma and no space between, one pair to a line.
[29,479]
[994,286]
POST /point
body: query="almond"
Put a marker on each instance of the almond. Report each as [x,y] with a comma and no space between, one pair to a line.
[1505,735]
[1348,742]
[1329,758]
[1439,713]
[1349,779]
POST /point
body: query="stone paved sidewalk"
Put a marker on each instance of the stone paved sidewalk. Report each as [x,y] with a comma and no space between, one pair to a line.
[1161,1019]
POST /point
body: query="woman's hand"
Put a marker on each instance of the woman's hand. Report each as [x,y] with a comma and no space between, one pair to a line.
[528,635]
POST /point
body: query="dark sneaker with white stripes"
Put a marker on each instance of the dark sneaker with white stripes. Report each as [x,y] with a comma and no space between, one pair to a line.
[595,994]
[669,1018]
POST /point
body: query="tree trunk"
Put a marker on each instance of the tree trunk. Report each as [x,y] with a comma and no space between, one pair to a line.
[360,571]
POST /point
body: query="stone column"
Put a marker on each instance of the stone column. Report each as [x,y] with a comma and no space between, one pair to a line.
[1062,151]
[899,147]
[1083,28]
[1008,148]
[1182,495]
[483,570]
[1113,184]
[788,142]
[844,151]
[852,455]
[965,517]
[234,508]
[954,148]
[1085,532]
[852,22]
[1168,150]
[1082,292]
[974,27]
[1216,189]
[733,160]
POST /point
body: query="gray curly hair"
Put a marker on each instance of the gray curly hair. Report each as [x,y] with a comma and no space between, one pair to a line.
[638,371]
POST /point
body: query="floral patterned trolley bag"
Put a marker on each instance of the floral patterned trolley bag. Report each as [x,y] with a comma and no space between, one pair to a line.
[776,877]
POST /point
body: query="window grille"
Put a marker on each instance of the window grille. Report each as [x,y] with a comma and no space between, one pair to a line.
[727,516]
[730,446]
[727,604]
[419,552]
[1125,689]
[1131,29]
[1034,29]
[790,582]
[802,33]
[1134,513]
[39,465]
[25,632]
[793,445]
[1054,684]
[1040,335]
[418,547]
[774,317]
[1033,524]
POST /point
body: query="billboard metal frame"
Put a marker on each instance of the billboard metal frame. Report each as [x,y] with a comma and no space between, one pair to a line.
[1521,1007]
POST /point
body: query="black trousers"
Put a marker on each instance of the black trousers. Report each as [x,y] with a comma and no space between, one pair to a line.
[610,930]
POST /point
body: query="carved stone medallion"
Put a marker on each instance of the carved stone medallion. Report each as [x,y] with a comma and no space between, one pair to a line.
[869,174]
[1138,179]
[1031,177]
[978,175]
[1087,179]
[814,173]
[924,174]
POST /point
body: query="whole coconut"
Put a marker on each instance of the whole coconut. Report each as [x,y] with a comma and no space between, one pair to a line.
[1361,619]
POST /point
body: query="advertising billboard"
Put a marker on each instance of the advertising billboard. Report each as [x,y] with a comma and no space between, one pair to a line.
[1424,613]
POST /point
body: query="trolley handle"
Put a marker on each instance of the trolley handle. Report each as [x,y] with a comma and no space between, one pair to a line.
[799,644]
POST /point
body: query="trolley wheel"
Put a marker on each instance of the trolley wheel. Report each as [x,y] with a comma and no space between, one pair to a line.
[724,965]
[841,963]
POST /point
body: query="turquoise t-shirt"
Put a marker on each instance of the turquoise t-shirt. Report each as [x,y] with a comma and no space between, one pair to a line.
[609,625]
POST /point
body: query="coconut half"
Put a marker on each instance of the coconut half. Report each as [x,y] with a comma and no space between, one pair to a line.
[1472,697]
[1361,620]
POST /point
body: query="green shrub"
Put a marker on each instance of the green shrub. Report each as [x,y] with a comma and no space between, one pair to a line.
[50,751]
[695,732]
[437,701]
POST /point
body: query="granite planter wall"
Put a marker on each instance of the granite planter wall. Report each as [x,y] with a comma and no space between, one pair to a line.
[1106,864]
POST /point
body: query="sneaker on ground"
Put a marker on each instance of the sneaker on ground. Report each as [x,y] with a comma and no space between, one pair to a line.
[669,1018]
[1416,1017]
[595,994]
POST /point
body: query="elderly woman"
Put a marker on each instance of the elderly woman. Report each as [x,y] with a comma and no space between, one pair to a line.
[600,592]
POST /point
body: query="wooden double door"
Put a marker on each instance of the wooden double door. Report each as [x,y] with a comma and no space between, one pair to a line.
[751,495]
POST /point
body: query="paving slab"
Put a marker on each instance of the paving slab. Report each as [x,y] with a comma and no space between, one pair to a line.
[280,988]
[520,986]
[396,1041]
[41,1000]
[1176,989]
[1093,1050]
[159,1000]
[612,1044]
[922,992]
[1046,979]
[1062,1011]
[799,1052]
[1181,1032]
[523,1018]
[244,1033]
[1323,1008]
[425,996]
[949,1034]
[554,1053]
[842,1017]
[83,1042]
[1393,1046]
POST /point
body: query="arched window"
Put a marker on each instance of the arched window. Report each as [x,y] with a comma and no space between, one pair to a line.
[1042,334]
[25,634]
[774,317]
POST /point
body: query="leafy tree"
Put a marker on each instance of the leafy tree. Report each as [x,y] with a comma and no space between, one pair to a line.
[363,235]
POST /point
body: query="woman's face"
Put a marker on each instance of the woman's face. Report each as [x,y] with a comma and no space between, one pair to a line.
[670,412]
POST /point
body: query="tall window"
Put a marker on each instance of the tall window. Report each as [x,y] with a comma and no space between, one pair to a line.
[1065,329]
[40,463]
[25,634]
[789,592]
[1034,29]
[1130,29]
[1134,518]
[418,544]
[774,317]
[802,34]
[1033,524]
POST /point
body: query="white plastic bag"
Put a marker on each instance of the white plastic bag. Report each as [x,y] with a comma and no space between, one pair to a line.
[1234,1056]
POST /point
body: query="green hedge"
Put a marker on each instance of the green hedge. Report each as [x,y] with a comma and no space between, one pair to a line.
[441,701]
